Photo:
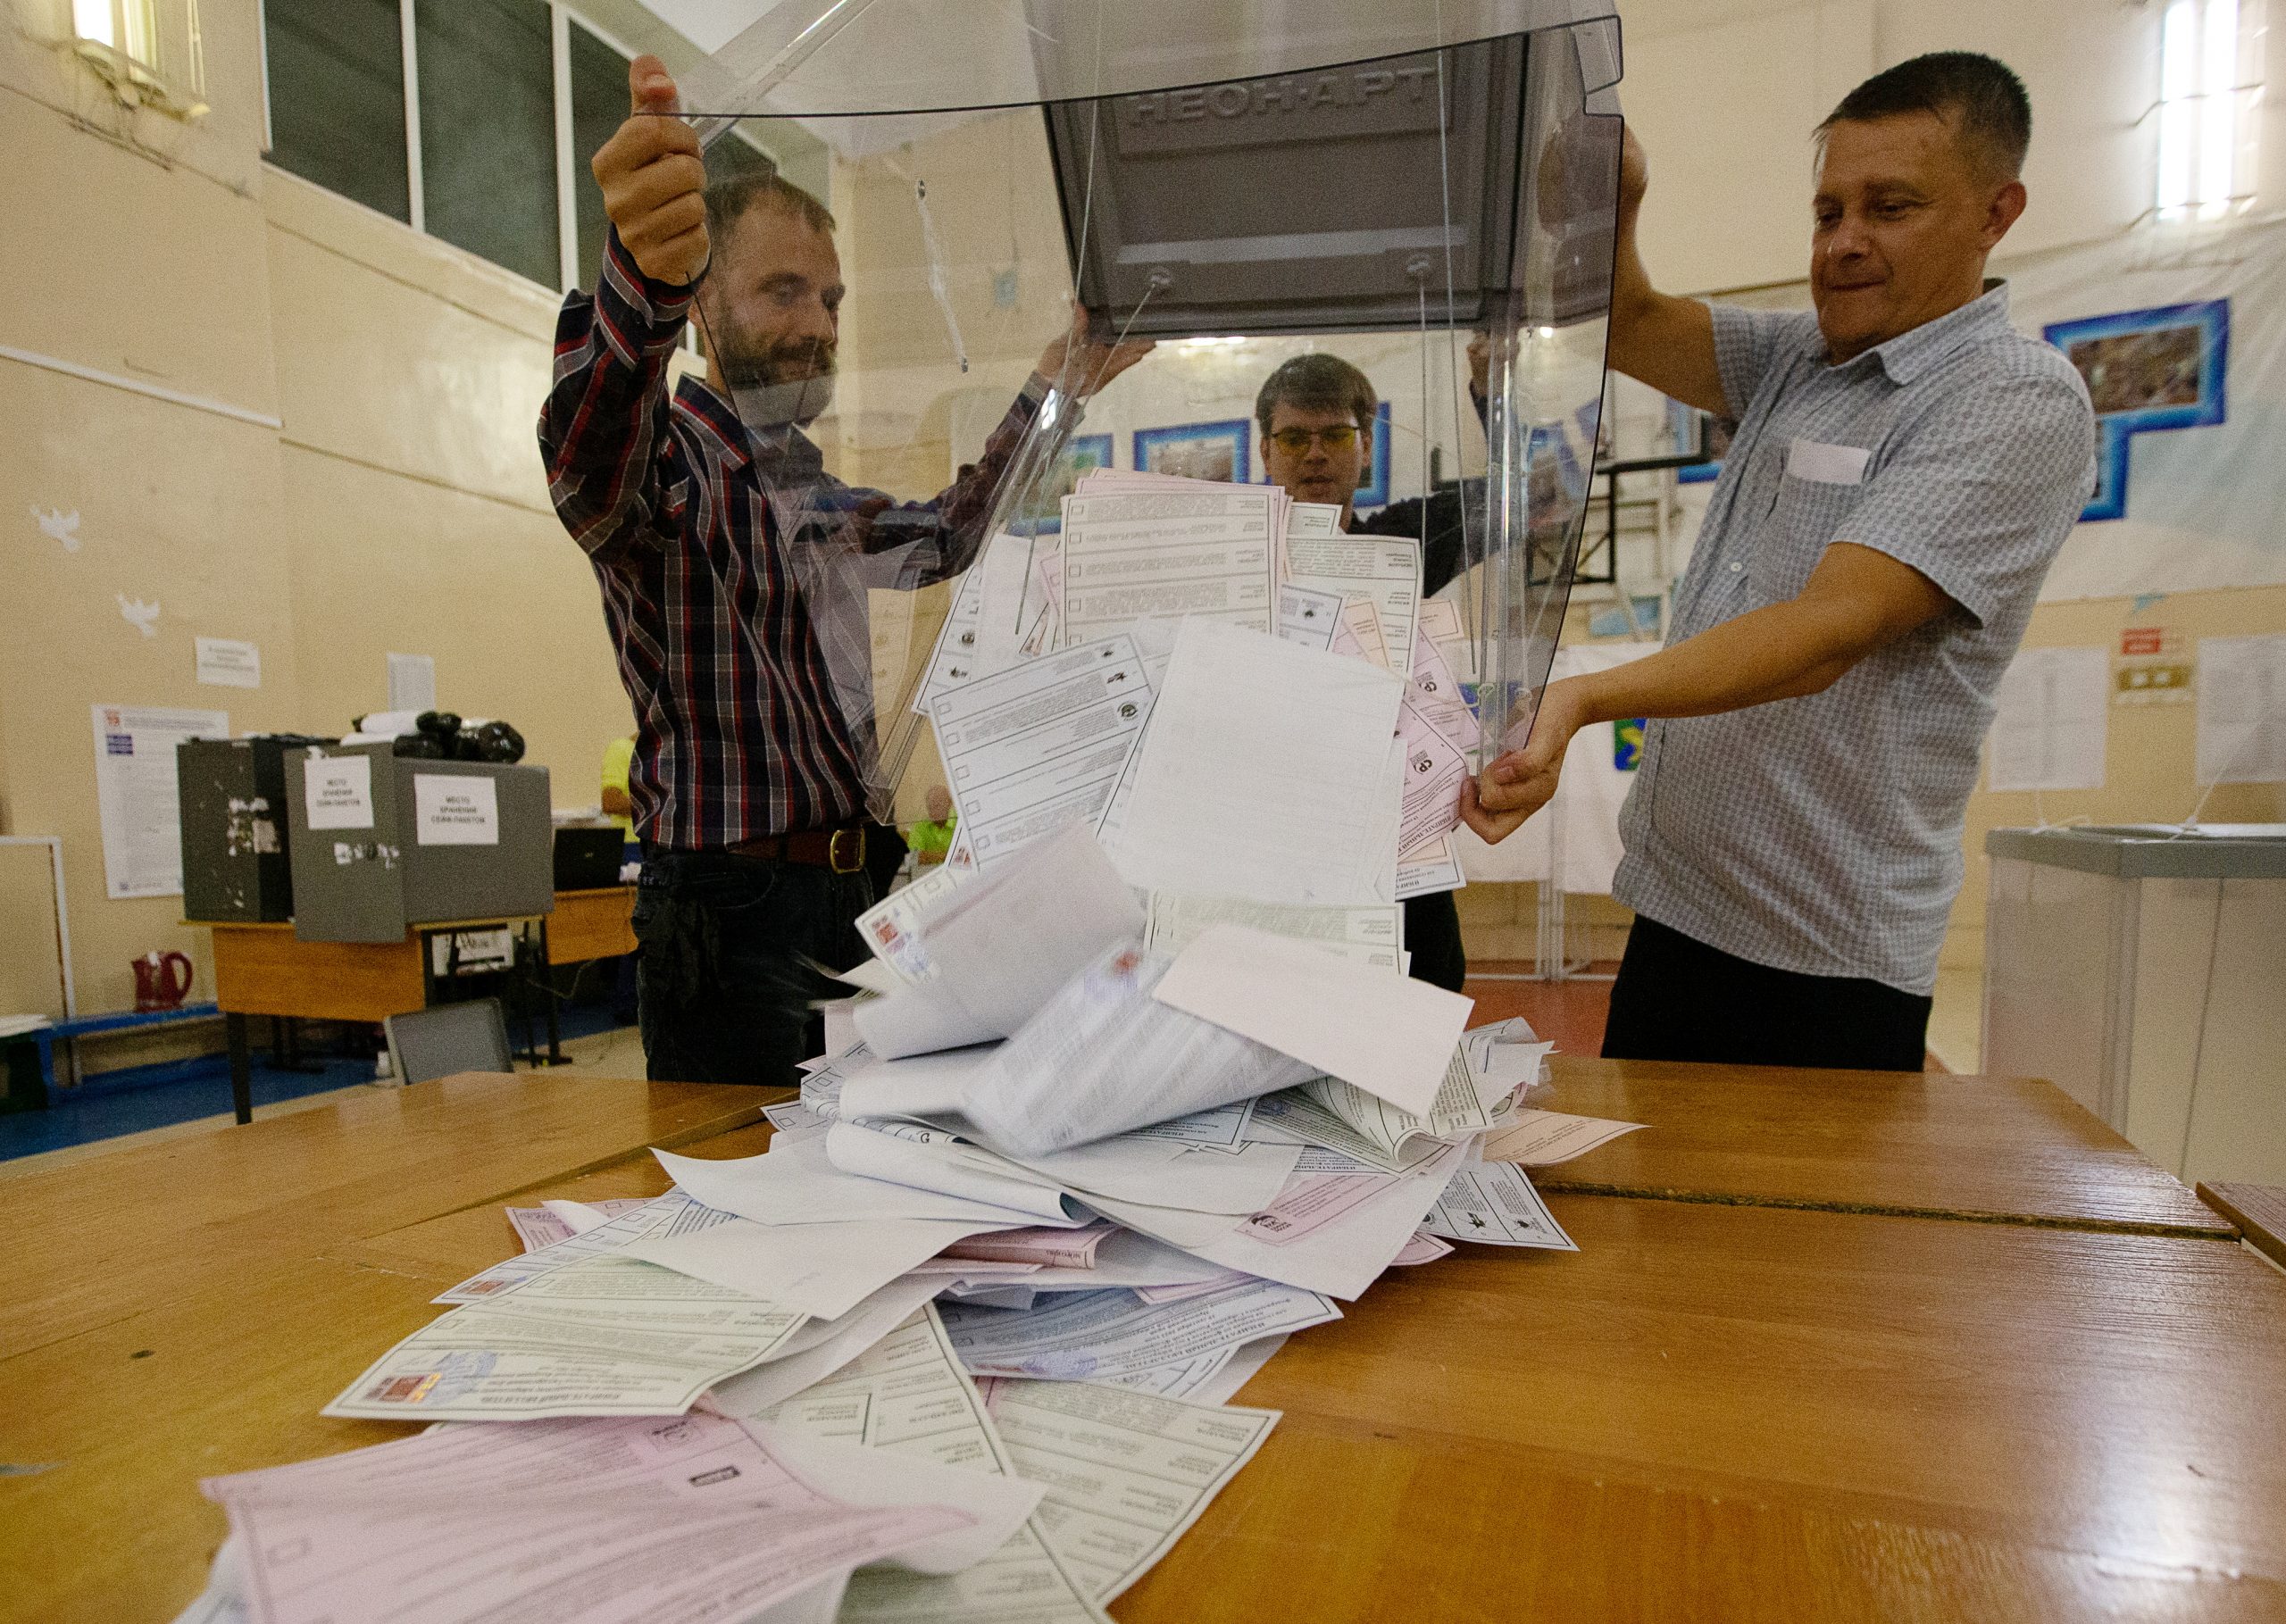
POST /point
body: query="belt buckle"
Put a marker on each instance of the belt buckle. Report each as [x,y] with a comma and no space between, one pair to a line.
[833,851]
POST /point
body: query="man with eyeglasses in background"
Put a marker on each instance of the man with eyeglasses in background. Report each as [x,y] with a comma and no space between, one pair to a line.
[1317,415]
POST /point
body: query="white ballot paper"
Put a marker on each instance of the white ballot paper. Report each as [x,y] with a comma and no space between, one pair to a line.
[1327,1110]
[1542,1138]
[1435,769]
[822,1347]
[1164,554]
[605,1336]
[1505,1056]
[1389,1035]
[1000,945]
[611,1522]
[1432,867]
[549,1222]
[1332,1232]
[931,1084]
[1263,775]
[824,1269]
[1372,935]
[907,1399]
[1039,745]
[1103,1057]
[1093,1335]
[1494,1204]
[892,926]
[1385,571]
[673,1214]
[1307,616]
[803,1184]
[1127,1472]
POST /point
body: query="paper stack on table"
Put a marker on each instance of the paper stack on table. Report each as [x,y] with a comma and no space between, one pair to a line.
[1138,1090]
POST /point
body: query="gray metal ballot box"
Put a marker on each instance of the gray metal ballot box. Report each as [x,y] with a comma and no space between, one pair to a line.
[381,843]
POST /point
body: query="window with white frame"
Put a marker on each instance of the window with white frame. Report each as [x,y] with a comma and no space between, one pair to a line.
[152,52]
[2209,84]
[472,121]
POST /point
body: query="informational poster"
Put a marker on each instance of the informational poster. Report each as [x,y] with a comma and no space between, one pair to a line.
[412,682]
[450,809]
[136,793]
[2049,721]
[2242,710]
[225,663]
[338,792]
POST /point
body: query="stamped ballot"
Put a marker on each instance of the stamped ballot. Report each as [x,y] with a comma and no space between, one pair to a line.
[1032,748]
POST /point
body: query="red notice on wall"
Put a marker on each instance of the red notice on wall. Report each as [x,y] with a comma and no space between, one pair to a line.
[2143,640]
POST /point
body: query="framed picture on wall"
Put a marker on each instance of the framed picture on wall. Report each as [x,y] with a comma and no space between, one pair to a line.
[1042,513]
[1374,489]
[1197,451]
[2146,371]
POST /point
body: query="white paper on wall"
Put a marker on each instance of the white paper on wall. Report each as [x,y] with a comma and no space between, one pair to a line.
[2242,710]
[225,663]
[136,793]
[2049,721]
[412,682]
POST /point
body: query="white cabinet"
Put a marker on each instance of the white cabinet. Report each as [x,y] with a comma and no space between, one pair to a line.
[2143,972]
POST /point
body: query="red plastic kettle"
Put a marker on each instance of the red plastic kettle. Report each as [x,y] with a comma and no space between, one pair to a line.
[161,980]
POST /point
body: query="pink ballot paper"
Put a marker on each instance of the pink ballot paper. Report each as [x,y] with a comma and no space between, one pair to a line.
[626,1521]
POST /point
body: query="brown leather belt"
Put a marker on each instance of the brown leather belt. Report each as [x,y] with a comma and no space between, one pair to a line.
[842,850]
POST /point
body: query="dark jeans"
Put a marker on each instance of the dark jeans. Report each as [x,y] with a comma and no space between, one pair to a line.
[726,970]
[1432,936]
[1677,998]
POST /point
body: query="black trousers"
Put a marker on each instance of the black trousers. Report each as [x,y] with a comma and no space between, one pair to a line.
[1677,998]
[1432,936]
[726,967]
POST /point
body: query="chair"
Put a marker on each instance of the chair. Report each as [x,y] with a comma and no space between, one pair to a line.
[471,1035]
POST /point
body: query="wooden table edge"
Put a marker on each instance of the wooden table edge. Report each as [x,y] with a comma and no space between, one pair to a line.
[1877,1208]
[2251,1230]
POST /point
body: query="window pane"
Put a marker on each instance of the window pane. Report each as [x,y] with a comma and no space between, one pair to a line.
[488,130]
[598,108]
[336,99]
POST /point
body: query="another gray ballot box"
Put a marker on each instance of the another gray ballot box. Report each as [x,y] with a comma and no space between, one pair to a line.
[381,843]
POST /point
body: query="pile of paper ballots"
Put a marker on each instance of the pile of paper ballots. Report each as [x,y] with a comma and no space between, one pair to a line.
[1134,1094]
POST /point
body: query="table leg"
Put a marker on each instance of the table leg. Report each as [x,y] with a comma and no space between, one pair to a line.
[544,972]
[241,1067]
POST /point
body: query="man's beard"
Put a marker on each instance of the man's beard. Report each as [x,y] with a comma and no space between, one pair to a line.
[775,384]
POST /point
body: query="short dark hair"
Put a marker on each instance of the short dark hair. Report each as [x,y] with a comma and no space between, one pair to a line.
[1981,99]
[728,201]
[1317,382]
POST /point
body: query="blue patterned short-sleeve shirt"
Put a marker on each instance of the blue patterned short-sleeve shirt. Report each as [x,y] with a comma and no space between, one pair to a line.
[1823,834]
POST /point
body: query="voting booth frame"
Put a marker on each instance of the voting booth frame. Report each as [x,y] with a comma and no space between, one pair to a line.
[1342,173]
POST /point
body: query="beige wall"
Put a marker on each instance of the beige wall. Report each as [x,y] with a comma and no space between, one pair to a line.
[400,508]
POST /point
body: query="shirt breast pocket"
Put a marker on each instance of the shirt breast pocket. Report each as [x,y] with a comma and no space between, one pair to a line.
[1809,514]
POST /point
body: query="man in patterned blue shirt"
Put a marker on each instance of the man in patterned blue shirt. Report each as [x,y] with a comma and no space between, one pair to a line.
[1904,468]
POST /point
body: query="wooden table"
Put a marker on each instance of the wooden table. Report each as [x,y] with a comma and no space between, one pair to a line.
[265,968]
[1713,1410]
[104,1238]
[1994,1148]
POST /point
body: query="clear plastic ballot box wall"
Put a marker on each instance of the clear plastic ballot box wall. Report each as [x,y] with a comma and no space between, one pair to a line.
[1427,192]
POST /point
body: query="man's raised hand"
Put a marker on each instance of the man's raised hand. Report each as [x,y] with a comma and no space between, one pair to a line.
[653,181]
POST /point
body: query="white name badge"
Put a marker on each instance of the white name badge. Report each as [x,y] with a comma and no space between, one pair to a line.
[1827,464]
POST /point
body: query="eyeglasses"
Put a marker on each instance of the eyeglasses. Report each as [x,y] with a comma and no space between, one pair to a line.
[1297,442]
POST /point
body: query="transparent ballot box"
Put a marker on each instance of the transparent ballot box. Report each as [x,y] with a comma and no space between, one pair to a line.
[1011,199]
